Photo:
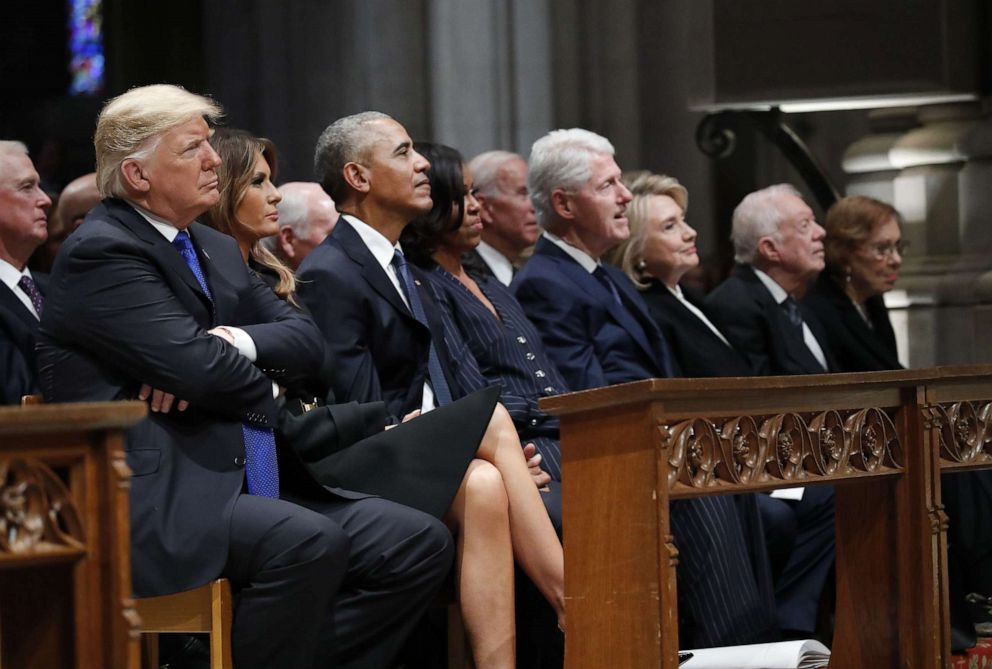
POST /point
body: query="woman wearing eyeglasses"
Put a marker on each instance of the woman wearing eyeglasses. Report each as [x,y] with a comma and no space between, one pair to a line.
[864,253]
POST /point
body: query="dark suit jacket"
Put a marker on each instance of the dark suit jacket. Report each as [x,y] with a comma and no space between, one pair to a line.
[124,309]
[698,351]
[376,349]
[593,340]
[747,314]
[854,346]
[18,330]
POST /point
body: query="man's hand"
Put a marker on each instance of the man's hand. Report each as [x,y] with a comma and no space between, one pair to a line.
[410,416]
[541,477]
[223,333]
[161,402]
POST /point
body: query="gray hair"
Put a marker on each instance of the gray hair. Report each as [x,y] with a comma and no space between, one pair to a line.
[342,142]
[562,159]
[485,169]
[758,215]
[12,146]
[131,125]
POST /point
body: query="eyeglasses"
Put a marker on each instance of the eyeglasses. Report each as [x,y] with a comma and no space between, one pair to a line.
[882,251]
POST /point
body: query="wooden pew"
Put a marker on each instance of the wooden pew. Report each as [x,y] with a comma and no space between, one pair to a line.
[880,439]
[65,575]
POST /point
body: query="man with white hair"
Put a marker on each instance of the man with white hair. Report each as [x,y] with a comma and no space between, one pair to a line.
[306,216]
[509,225]
[597,329]
[778,246]
[23,228]
[146,302]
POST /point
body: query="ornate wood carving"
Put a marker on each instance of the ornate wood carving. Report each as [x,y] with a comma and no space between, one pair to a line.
[755,451]
[964,430]
[36,511]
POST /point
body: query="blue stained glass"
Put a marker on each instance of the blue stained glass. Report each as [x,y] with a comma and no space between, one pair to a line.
[86,61]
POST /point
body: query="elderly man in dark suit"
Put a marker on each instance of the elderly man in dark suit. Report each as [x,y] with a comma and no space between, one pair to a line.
[778,246]
[23,228]
[145,302]
[597,330]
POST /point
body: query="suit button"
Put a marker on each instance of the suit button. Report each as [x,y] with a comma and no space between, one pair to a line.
[521,340]
[539,374]
[549,390]
[530,356]
[533,422]
[239,461]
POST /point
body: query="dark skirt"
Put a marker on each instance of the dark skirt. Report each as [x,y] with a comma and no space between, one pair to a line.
[419,463]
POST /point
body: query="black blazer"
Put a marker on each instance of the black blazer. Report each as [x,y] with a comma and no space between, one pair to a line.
[123,309]
[698,351]
[747,314]
[18,331]
[376,349]
[855,346]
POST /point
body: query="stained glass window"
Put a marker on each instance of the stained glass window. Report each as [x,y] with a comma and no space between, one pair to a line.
[86,46]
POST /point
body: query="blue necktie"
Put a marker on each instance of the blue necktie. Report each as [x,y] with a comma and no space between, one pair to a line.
[442,393]
[261,468]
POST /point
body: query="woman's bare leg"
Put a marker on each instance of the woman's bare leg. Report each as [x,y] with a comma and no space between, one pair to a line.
[535,545]
[484,566]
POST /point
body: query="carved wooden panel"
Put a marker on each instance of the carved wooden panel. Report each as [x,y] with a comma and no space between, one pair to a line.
[964,430]
[37,513]
[762,451]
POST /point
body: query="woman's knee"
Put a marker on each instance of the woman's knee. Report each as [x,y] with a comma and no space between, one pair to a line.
[484,485]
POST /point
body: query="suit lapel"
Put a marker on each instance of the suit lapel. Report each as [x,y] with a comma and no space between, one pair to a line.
[372,271]
[589,284]
[10,302]
[161,249]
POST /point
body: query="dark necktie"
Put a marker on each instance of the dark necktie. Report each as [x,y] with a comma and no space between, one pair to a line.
[607,282]
[791,308]
[442,394]
[30,288]
[261,468]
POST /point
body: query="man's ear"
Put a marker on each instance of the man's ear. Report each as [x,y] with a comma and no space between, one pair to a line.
[357,177]
[561,204]
[285,241]
[768,249]
[484,213]
[134,176]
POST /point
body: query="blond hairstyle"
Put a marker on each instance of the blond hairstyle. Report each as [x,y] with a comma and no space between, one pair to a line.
[131,125]
[643,186]
[237,150]
[850,222]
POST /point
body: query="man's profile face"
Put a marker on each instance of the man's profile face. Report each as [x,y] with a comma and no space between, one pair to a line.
[397,173]
[22,202]
[600,206]
[182,173]
[800,239]
[508,212]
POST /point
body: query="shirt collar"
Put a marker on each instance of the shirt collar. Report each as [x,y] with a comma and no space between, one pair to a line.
[10,275]
[777,291]
[588,263]
[378,245]
[500,265]
[167,230]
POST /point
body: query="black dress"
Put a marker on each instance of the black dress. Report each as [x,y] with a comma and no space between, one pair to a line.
[344,447]
[699,352]
[857,345]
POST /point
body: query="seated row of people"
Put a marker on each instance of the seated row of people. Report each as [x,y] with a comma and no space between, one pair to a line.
[417,338]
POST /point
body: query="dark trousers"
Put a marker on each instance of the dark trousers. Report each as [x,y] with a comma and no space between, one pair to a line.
[806,560]
[397,561]
[285,565]
[724,582]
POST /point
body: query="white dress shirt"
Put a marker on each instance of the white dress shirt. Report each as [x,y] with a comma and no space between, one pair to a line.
[587,261]
[382,250]
[499,264]
[10,276]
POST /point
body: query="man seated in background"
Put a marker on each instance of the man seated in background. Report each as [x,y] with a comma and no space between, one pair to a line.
[23,228]
[509,226]
[778,247]
[306,216]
